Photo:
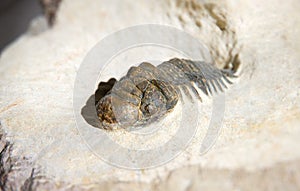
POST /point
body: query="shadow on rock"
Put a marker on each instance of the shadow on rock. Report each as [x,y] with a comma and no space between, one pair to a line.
[89,113]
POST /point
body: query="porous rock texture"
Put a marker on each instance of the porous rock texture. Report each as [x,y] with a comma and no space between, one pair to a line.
[258,143]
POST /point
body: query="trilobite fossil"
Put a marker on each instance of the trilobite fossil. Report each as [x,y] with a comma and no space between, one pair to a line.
[148,92]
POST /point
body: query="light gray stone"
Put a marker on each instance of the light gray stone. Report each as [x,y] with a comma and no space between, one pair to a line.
[258,143]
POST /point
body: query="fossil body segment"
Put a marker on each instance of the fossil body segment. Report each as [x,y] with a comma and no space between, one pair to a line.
[148,92]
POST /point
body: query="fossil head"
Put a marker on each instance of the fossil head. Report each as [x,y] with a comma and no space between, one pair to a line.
[133,102]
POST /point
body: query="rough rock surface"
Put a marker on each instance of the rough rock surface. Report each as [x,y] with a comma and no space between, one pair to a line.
[258,143]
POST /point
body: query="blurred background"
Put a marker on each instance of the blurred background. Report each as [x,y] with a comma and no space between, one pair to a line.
[15,16]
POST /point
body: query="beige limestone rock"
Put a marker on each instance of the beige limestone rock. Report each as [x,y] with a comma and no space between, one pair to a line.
[258,143]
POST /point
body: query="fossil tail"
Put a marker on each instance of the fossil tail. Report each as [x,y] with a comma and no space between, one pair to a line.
[232,69]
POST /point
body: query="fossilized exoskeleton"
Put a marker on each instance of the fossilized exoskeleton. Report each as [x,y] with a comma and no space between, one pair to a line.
[148,92]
